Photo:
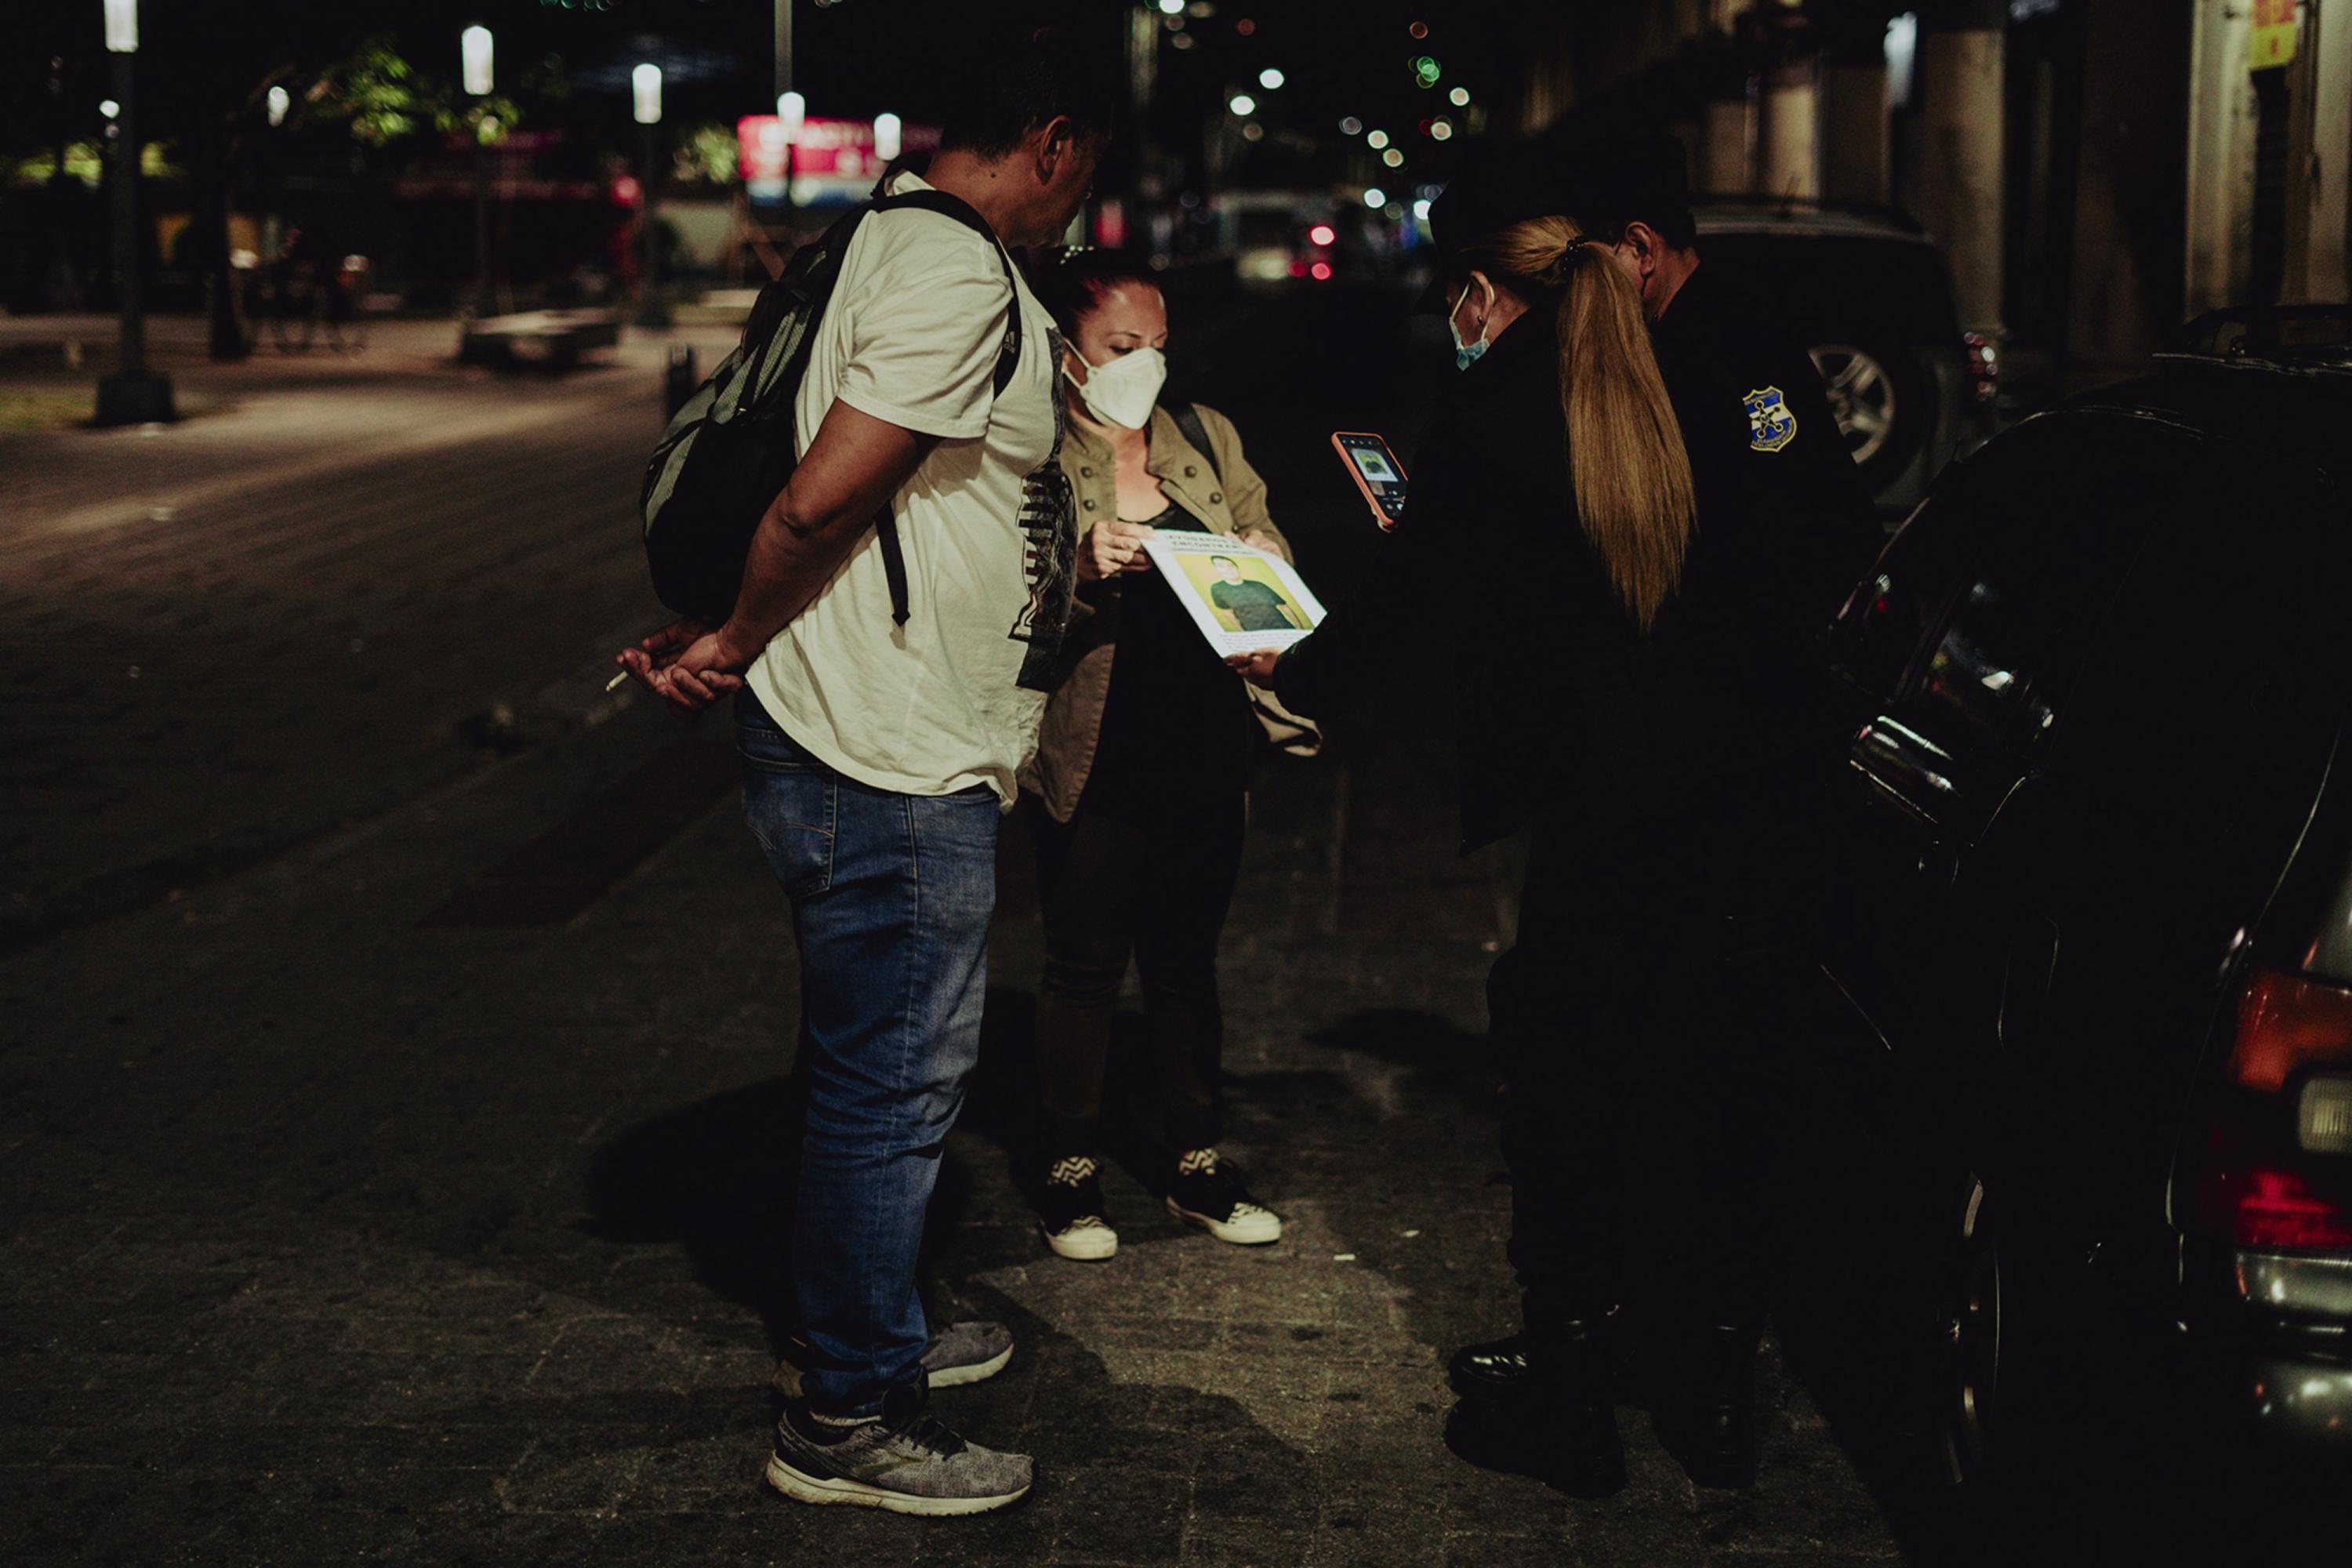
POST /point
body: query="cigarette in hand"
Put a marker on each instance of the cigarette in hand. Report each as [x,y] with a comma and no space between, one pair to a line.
[616,682]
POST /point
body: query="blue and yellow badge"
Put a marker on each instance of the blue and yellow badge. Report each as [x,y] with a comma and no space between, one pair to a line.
[1771,425]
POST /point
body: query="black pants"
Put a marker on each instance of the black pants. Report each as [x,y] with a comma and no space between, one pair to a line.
[1114,886]
[1638,1032]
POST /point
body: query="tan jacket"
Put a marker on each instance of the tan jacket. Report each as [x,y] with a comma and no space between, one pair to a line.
[1227,497]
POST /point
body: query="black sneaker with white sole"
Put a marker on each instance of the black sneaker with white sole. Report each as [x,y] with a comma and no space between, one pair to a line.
[1070,1211]
[1211,1195]
[902,1461]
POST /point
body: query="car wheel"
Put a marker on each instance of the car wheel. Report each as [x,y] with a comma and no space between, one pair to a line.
[1971,1316]
[1862,396]
[1885,402]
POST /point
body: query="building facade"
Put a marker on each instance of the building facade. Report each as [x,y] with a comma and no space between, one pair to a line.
[2098,171]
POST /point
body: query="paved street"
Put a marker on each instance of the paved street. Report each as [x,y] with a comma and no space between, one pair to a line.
[397,1029]
[346,580]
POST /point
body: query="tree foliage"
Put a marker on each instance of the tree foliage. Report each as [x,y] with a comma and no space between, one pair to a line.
[380,99]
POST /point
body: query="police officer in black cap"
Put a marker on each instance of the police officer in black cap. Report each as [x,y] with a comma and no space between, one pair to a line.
[1784,530]
[1784,461]
[1632,664]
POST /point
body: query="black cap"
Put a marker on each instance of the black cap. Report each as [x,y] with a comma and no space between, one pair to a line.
[1602,183]
[1620,179]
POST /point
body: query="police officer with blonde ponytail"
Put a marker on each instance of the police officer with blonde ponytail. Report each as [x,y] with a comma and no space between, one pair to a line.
[1603,689]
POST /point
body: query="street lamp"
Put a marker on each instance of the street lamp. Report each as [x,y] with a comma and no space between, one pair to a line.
[792,116]
[280,100]
[645,94]
[131,396]
[886,137]
[473,61]
[474,58]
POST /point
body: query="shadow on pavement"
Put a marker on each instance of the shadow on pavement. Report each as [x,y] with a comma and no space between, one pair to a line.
[717,1178]
[1124,1464]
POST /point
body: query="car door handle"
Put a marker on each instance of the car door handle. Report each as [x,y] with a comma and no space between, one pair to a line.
[1905,766]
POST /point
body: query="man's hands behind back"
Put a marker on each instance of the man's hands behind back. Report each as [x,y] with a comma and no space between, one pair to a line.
[687,665]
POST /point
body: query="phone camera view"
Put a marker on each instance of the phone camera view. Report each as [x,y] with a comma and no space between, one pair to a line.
[1375,467]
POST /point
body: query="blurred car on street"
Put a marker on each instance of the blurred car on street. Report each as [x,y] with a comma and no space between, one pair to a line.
[1871,298]
[2087,874]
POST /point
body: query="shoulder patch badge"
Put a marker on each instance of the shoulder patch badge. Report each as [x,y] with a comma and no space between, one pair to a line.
[1771,425]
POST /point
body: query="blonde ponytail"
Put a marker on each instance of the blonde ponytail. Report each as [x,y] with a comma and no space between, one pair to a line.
[1632,477]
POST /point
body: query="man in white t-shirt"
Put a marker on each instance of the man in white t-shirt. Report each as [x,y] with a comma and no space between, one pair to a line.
[879,754]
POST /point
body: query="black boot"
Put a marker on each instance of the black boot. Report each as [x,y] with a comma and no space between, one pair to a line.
[1501,1368]
[1711,1425]
[1544,1411]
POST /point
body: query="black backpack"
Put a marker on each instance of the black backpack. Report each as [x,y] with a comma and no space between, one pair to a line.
[731,447]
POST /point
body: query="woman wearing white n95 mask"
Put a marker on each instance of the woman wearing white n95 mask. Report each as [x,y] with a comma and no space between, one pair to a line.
[1137,793]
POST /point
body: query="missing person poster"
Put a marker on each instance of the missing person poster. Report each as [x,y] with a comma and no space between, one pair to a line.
[1243,598]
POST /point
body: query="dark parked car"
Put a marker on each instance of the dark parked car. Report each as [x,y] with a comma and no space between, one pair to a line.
[2088,874]
[1872,298]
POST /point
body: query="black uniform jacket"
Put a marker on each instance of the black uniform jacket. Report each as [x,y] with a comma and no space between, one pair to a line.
[1565,709]
[1783,464]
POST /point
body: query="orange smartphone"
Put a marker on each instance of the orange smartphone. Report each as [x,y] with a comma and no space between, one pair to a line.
[1376,472]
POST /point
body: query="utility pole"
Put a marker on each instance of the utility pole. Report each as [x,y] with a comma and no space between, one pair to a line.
[477,63]
[131,396]
[646,98]
[790,106]
[783,46]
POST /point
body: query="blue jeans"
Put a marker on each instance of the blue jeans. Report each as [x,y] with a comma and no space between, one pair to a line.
[891,896]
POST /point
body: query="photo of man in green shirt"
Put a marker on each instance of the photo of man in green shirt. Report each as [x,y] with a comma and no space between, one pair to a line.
[1254,606]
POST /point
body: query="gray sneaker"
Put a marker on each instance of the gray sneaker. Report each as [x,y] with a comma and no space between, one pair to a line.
[904,1461]
[963,1353]
[967,1352]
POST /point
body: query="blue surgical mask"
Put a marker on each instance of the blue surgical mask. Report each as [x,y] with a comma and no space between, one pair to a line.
[1467,354]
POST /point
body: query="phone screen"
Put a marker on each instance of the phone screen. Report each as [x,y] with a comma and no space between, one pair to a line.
[1377,471]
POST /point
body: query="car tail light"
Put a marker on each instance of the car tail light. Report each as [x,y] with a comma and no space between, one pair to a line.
[2276,1211]
[2288,1097]
[1984,364]
[2323,1116]
[2288,1023]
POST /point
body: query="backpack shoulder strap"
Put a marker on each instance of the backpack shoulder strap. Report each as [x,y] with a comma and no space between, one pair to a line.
[1188,419]
[1008,357]
[1008,360]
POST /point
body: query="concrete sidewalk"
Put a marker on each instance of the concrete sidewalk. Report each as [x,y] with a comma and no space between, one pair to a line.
[375,1206]
[392,1088]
